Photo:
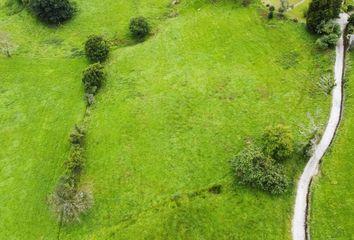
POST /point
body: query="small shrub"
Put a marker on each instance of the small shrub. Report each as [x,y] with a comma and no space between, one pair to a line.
[278,142]
[75,163]
[52,11]
[311,135]
[271,8]
[326,83]
[96,49]
[93,78]
[350,8]
[139,27]
[77,136]
[68,203]
[251,167]
[327,41]
[270,15]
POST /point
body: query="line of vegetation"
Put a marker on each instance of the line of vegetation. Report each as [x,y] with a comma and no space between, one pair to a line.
[70,199]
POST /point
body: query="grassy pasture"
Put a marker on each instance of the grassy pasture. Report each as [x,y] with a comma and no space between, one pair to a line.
[332,198]
[174,111]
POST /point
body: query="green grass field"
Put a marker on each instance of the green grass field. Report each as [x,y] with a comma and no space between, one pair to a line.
[174,111]
[332,200]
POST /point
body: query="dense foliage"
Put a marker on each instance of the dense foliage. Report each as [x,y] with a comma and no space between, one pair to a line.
[321,11]
[52,11]
[93,78]
[330,32]
[253,168]
[96,49]
[139,27]
[278,142]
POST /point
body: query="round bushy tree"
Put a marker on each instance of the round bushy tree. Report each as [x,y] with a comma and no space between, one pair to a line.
[93,78]
[139,27]
[251,167]
[96,49]
[278,142]
[52,11]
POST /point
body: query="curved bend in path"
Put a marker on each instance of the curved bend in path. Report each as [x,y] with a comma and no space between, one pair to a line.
[299,222]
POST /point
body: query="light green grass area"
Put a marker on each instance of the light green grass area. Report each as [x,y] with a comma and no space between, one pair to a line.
[175,109]
[299,11]
[333,196]
[40,100]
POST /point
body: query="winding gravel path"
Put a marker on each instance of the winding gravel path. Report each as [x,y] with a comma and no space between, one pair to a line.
[299,222]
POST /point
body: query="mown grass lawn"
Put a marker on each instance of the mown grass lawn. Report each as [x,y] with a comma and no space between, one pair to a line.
[332,198]
[174,111]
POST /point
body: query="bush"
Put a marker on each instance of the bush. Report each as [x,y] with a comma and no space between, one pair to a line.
[327,41]
[75,164]
[52,11]
[77,136]
[93,78]
[253,168]
[278,142]
[68,203]
[350,8]
[329,28]
[139,27]
[96,49]
[270,15]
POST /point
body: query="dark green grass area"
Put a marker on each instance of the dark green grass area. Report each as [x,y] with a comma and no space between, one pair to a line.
[173,112]
[333,196]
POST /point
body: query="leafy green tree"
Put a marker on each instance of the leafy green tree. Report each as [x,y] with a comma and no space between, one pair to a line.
[251,167]
[96,49]
[52,11]
[93,78]
[278,142]
[139,27]
[321,11]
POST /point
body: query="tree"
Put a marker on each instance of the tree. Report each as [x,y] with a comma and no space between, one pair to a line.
[139,27]
[321,11]
[96,49]
[52,11]
[93,78]
[251,167]
[278,142]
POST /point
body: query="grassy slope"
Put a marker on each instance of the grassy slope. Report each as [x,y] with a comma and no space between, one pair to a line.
[41,98]
[174,111]
[177,108]
[333,196]
[39,103]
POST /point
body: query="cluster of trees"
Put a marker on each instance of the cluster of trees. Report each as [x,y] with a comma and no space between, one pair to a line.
[259,164]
